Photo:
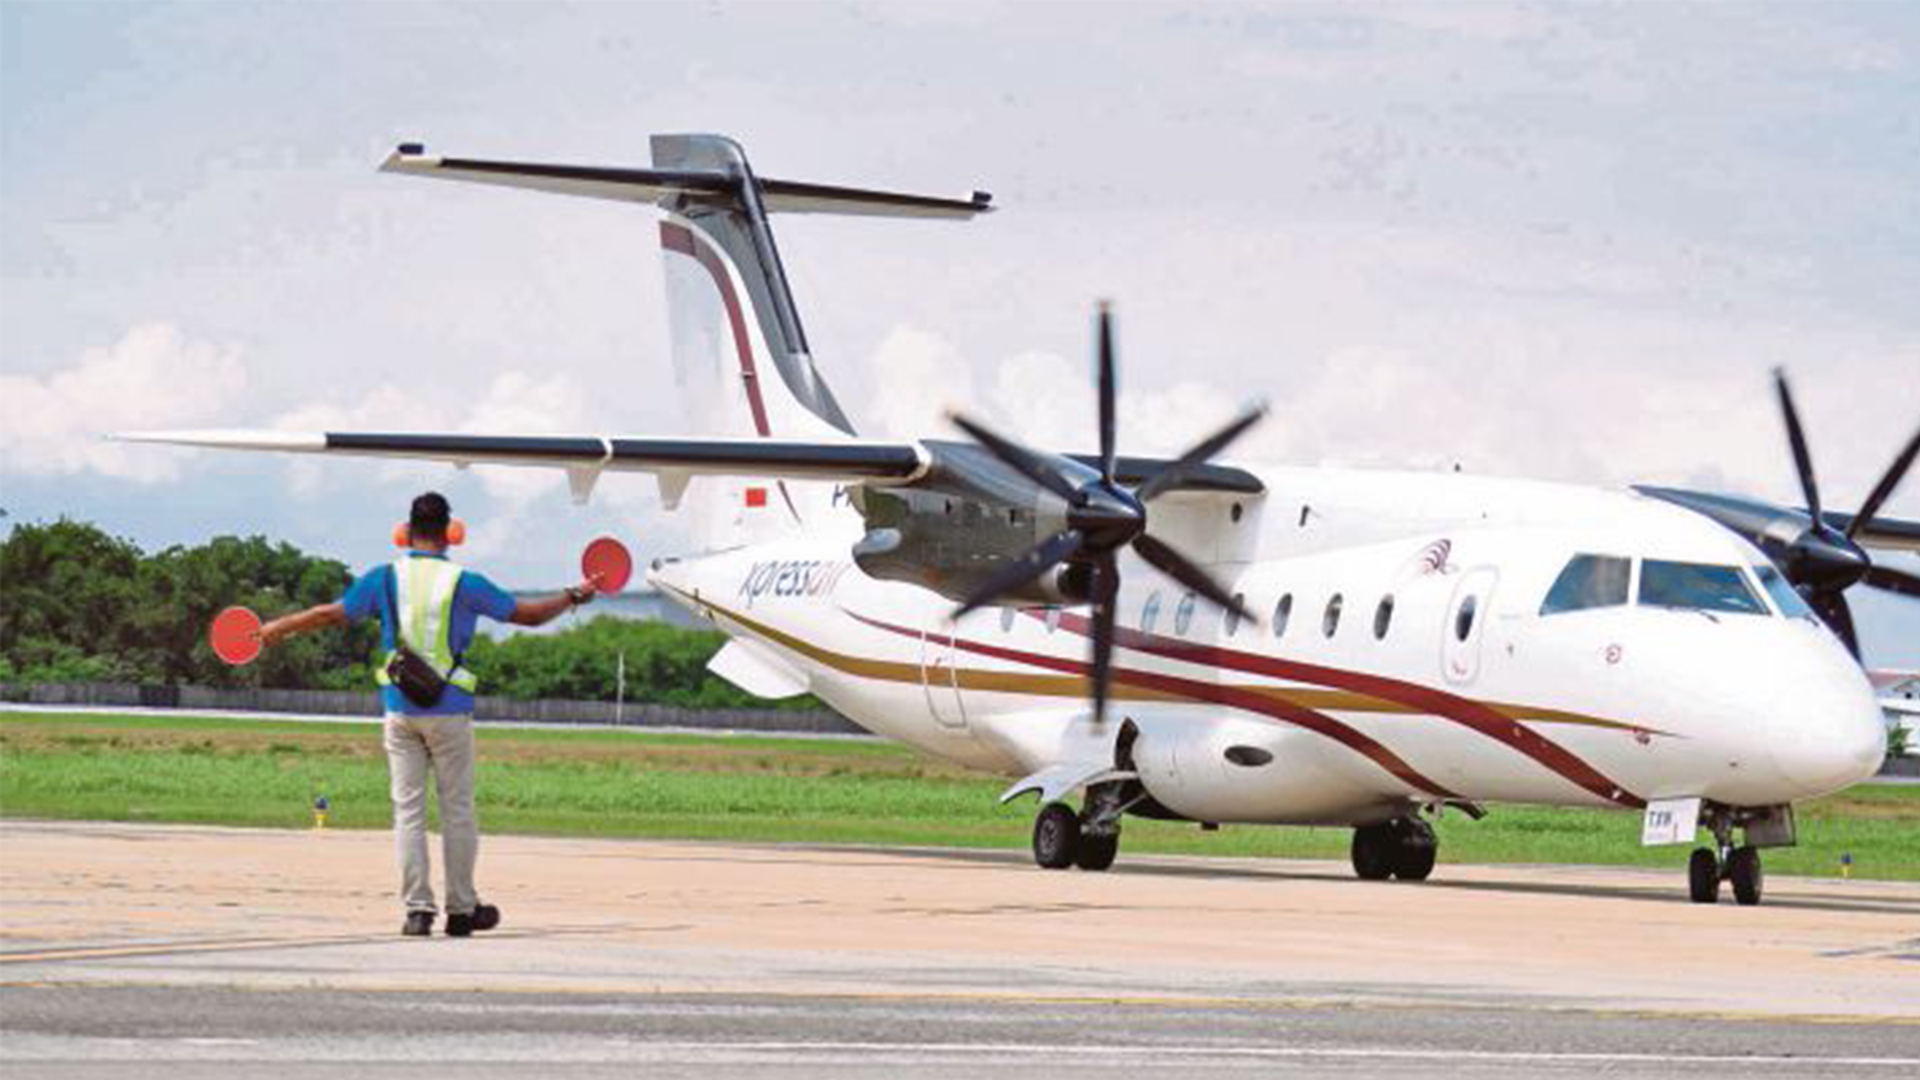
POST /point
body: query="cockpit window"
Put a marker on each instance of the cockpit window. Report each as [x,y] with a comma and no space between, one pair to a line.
[1785,596]
[1589,581]
[1697,587]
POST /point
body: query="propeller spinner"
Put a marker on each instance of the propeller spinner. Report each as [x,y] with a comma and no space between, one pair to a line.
[1102,517]
[1824,562]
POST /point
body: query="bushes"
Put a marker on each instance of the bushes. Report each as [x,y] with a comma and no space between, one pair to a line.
[78,605]
[664,664]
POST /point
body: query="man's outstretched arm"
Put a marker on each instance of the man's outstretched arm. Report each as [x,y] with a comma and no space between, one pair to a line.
[547,609]
[300,622]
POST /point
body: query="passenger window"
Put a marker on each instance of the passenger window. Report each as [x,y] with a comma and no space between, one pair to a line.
[1053,619]
[1463,621]
[1006,619]
[1233,613]
[1785,596]
[1589,581]
[1183,615]
[1697,587]
[1383,618]
[1331,620]
[1150,612]
[1282,611]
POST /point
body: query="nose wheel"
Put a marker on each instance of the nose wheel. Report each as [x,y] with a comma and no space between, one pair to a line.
[1739,867]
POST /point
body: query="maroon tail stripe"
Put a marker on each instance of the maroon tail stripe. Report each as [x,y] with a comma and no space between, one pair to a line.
[1463,711]
[1233,697]
[680,238]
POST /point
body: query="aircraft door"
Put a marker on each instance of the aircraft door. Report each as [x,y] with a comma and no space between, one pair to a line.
[1466,625]
[937,672]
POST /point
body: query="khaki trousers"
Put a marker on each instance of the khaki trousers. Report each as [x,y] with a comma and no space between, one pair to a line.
[442,745]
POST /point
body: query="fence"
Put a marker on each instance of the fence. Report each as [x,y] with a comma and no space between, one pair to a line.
[367,703]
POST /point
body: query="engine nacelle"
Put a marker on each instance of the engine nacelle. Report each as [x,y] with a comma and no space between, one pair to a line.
[958,524]
[1247,771]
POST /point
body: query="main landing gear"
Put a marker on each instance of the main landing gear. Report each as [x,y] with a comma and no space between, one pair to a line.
[1404,848]
[1739,866]
[1089,840]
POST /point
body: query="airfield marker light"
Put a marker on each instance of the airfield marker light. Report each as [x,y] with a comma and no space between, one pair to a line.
[320,811]
[1846,864]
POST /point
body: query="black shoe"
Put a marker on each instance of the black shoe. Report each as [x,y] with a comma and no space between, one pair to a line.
[482,917]
[420,924]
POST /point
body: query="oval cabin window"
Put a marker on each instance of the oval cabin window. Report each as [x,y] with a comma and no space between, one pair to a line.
[1282,611]
[1183,615]
[1150,612]
[1233,613]
[1383,618]
[1331,621]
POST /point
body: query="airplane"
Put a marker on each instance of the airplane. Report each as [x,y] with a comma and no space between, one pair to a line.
[1191,640]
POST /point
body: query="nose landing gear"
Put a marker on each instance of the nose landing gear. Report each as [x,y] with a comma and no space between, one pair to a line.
[1738,866]
[1404,848]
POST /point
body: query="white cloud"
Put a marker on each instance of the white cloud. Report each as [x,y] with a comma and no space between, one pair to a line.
[153,377]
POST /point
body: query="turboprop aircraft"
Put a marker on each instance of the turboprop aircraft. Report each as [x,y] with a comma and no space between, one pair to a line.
[1187,639]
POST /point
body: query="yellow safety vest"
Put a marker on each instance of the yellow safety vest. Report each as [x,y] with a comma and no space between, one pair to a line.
[423,592]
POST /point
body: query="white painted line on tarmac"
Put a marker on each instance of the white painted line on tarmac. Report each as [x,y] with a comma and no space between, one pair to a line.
[1054,1050]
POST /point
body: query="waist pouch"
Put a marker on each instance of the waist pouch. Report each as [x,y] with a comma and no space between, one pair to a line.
[416,678]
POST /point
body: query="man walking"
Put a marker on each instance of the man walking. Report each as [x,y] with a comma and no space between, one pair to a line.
[427,607]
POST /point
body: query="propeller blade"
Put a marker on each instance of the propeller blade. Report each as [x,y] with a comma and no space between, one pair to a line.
[1021,460]
[1884,489]
[1894,581]
[1175,565]
[1106,597]
[1109,406]
[1802,458]
[1182,467]
[1833,610]
[1023,570]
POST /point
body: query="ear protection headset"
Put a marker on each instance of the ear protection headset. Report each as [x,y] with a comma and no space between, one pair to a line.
[456,534]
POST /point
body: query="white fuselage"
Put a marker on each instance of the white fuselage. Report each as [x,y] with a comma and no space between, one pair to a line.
[1437,678]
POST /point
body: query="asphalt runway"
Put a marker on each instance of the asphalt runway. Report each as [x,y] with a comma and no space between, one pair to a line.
[225,952]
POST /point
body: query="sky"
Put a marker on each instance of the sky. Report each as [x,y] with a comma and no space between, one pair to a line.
[1567,242]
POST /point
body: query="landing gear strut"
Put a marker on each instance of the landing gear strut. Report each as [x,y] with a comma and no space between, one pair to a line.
[1404,848]
[1739,866]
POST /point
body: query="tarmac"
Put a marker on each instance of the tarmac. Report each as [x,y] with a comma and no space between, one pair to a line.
[227,952]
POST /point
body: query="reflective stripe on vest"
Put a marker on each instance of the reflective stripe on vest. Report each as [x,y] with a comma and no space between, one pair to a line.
[423,591]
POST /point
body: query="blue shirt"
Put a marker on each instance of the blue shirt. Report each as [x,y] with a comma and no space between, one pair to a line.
[372,594]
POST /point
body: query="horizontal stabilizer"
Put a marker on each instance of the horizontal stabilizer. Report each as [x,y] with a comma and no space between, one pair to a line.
[658,186]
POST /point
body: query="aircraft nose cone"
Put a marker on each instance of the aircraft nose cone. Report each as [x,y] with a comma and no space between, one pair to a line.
[1827,740]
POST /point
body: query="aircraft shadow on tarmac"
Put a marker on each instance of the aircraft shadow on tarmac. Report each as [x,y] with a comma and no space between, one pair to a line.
[1655,892]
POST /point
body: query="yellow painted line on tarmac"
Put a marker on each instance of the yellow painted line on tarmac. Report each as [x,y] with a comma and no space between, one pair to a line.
[656,990]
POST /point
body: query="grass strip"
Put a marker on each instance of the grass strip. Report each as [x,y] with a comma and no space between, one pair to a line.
[743,787]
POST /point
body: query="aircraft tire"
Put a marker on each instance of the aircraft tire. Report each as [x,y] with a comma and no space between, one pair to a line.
[1703,876]
[1096,852]
[1056,836]
[1373,851]
[1413,859]
[1743,870]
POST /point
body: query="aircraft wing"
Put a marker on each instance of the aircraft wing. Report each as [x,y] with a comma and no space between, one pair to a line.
[845,461]
[586,456]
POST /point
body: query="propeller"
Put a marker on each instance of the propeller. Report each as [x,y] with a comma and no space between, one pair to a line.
[1823,562]
[1102,518]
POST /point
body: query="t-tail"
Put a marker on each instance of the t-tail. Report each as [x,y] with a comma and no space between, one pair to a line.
[739,350]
